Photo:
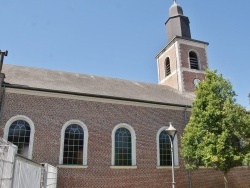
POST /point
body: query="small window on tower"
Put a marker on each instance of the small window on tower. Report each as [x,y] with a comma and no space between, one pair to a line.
[167,67]
[193,59]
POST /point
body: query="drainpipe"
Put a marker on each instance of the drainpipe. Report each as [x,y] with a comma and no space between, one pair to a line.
[2,98]
[2,76]
[189,171]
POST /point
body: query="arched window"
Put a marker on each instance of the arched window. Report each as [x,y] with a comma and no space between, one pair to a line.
[73,145]
[19,130]
[193,59]
[167,67]
[165,149]
[123,146]
[164,157]
[74,138]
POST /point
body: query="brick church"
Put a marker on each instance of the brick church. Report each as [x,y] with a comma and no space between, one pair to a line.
[105,132]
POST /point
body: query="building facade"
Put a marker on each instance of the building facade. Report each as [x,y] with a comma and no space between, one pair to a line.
[105,132]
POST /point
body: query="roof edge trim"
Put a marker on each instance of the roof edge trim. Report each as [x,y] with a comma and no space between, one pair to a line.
[92,95]
[174,39]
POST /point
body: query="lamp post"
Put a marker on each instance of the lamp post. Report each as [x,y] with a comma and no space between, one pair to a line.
[171,133]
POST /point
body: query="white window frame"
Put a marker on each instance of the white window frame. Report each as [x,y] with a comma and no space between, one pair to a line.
[85,141]
[32,130]
[133,140]
[175,145]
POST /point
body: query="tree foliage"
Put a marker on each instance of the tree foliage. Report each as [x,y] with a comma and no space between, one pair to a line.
[218,133]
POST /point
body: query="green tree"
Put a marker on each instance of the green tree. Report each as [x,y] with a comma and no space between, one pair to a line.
[218,133]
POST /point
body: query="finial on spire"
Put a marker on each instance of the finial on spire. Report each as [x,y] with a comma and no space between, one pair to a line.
[174,1]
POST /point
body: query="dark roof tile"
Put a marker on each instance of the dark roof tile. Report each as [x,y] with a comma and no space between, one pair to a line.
[96,85]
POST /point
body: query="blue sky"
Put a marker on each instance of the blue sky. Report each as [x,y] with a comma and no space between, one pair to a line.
[120,39]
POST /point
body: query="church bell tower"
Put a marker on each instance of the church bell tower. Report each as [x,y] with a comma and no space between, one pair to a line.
[183,61]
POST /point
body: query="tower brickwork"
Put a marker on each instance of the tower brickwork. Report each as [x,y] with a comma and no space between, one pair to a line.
[183,61]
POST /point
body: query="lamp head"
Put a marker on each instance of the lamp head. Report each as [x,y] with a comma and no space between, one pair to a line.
[171,130]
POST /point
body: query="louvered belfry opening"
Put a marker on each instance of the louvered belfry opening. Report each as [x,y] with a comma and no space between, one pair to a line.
[193,60]
[167,67]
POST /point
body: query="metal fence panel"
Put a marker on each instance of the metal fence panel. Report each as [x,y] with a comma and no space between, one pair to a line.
[7,157]
[50,176]
[19,172]
[26,173]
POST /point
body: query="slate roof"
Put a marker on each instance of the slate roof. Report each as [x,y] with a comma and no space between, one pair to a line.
[27,77]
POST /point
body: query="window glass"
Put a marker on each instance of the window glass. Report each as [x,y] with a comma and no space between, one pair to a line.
[73,145]
[123,147]
[19,134]
[165,149]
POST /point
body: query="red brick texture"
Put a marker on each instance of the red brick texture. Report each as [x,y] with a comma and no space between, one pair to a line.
[49,115]
[171,53]
[187,75]
[201,52]
[188,79]
[172,79]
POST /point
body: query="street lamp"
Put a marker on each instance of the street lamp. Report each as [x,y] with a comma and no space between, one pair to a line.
[171,133]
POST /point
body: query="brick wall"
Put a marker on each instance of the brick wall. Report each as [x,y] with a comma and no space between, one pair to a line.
[187,75]
[188,79]
[49,115]
[201,52]
[172,79]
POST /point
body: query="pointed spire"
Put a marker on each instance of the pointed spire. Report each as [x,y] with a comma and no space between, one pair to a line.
[175,10]
[177,24]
